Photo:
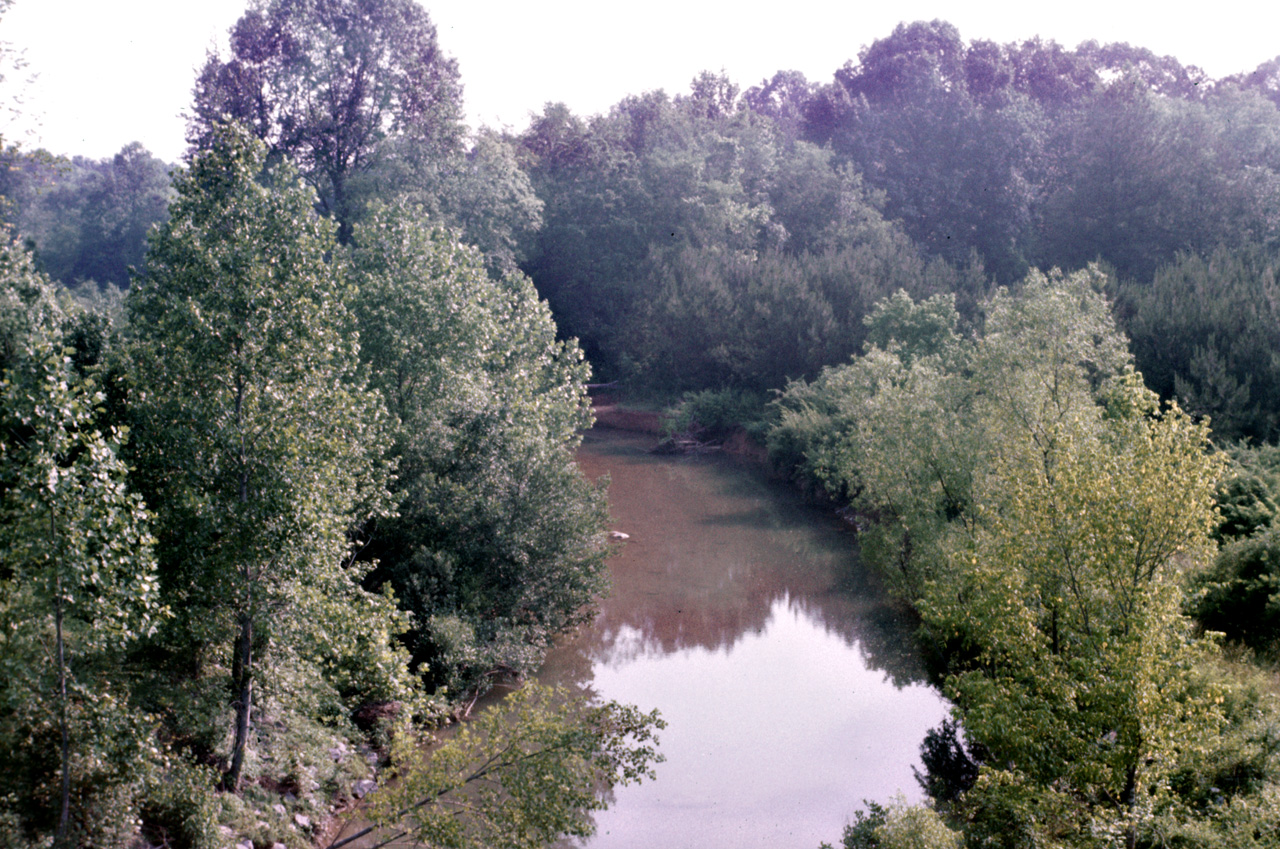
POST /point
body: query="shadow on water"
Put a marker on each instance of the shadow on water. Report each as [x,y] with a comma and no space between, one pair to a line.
[714,545]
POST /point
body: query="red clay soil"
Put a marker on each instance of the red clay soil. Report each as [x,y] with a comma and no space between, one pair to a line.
[610,414]
[620,418]
[741,445]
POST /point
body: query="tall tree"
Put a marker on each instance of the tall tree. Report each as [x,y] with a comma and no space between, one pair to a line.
[497,545]
[326,82]
[258,443]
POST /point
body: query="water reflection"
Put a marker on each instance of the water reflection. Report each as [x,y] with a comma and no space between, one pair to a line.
[790,688]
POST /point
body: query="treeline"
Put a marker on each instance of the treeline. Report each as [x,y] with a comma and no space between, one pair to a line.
[729,238]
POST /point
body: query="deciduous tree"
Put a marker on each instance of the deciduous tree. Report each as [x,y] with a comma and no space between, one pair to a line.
[326,82]
[258,444]
[523,774]
[497,544]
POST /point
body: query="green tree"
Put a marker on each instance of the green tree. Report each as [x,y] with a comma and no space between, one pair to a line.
[497,545]
[326,82]
[627,193]
[1204,330]
[523,774]
[90,222]
[893,432]
[479,190]
[78,582]
[1081,684]
[258,444]
[1039,508]
[958,167]
[1139,183]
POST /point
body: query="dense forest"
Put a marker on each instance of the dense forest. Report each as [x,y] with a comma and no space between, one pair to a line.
[287,430]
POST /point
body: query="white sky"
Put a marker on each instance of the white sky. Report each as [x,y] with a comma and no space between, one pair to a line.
[108,72]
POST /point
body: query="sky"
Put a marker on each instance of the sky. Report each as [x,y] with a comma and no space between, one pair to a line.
[100,74]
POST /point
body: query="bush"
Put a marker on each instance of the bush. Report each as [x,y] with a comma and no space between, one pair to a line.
[1240,594]
[180,809]
[715,413]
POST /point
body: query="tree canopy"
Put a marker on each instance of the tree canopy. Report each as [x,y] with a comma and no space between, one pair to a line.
[326,82]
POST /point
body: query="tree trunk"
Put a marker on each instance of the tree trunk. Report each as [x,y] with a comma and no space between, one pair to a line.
[242,653]
[64,817]
[341,214]
[242,680]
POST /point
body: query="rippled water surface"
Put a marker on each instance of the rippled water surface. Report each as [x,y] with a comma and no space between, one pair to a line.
[790,690]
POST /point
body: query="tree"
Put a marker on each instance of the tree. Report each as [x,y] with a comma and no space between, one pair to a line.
[915,57]
[78,581]
[1139,181]
[258,444]
[480,191]
[1265,79]
[326,82]
[91,222]
[1082,688]
[1039,508]
[958,166]
[497,545]
[1204,330]
[523,774]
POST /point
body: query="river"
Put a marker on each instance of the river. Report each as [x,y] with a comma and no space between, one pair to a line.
[790,688]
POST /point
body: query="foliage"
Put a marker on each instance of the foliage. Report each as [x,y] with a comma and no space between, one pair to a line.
[179,808]
[479,189]
[1036,153]
[895,439]
[1205,329]
[715,414]
[914,827]
[520,775]
[77,587]
[958,167]
[89,219]
[950,763]
[325,84]
[755,322]
[1240,595]
[1038,507]
[898,826]
[1081,681]
[710,239]
[691,219]
[1245,504]
[258,444]
[861,833]
[497,545]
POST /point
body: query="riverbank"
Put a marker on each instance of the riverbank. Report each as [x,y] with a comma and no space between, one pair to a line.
[612,413]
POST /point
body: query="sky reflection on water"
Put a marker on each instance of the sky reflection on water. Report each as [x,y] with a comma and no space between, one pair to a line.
[791,691]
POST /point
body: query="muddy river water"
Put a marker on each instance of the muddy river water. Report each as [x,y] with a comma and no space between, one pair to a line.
[791,690]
